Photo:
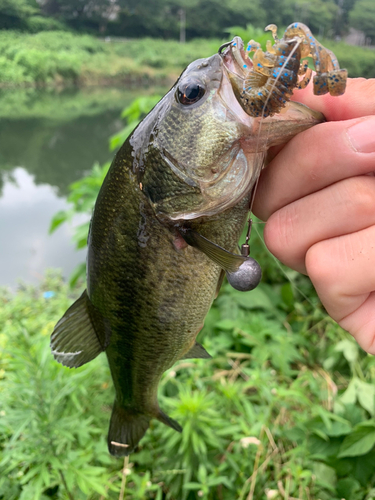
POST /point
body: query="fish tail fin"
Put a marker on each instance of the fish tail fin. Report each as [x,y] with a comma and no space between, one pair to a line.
[162,417]
[126,429]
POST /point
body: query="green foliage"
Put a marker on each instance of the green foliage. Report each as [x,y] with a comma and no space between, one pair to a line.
[82,197]
[319,15]
[50,439]
[43,57]
[56,57]
[203,18]
[263,415]
[250,33]
[135,112]
[41,23]
[14,14]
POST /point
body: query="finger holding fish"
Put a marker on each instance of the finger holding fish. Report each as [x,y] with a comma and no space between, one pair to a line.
[319,156]
[342,270]
[357,102]
[319,206]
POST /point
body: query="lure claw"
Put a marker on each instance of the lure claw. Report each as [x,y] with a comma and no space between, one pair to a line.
[266,83]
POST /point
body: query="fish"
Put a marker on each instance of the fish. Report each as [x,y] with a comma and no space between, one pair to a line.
[165,231]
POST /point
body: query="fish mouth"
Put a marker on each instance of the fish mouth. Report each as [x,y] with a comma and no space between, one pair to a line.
[236,65]
[235,59]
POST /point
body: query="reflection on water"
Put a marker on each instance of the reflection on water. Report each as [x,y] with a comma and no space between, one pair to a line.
[55,137]
[26,247]
[56,153]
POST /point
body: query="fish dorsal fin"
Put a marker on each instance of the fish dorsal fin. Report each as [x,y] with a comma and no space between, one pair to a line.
[226,260]
[197,351]
[74,340]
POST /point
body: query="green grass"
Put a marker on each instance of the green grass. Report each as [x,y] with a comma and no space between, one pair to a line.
[62,58]
[285,407]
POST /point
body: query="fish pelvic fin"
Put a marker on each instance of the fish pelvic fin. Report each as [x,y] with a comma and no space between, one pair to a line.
[197,351]
[80,335]
[126,429]
[162,417]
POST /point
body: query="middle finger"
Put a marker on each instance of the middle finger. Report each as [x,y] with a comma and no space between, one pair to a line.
[342,208]
[315,159]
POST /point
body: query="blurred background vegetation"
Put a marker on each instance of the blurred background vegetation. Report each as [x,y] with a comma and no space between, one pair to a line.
[91,42]
[286,407]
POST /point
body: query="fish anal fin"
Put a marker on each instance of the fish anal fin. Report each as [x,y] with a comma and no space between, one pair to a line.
[162,417]
[80,335]
[197,351]
[126,429]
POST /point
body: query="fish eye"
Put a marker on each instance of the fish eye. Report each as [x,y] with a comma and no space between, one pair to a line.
[190,92]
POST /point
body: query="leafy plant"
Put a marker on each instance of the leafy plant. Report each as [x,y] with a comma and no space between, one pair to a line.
[250,32]
[51,441]
[133,114]
[82,197]
[55,58]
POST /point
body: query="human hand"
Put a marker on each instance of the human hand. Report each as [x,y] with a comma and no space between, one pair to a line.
[318,198]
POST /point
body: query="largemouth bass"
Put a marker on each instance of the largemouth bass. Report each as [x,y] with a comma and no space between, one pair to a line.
[166,225]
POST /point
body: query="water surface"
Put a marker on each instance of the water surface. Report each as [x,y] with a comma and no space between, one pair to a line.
[48,140]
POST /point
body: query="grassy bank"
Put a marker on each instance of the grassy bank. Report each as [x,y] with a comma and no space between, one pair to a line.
[61,58]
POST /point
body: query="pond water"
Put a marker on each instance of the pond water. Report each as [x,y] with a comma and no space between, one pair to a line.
[48,140]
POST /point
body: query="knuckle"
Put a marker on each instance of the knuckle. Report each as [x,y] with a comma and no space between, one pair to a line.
[279,232]
[360,192]
[363,87]
[321,265]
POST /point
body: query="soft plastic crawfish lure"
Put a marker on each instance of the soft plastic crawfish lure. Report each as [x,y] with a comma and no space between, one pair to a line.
[264,85]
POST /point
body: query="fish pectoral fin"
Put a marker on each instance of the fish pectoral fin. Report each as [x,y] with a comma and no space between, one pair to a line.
[197,351]
[226,260]
[75,340]
[162,417]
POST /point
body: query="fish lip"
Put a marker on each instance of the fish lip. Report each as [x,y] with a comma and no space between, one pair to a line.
[231,68]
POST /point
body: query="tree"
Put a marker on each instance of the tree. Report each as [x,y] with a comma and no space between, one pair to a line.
[14,14]
[362,17]
[93,15]
[318,15]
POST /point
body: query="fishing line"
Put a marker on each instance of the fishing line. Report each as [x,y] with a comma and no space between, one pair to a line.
[279,265]
[298,42]
[245,248]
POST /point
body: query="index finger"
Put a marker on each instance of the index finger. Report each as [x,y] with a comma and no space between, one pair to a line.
[358,100]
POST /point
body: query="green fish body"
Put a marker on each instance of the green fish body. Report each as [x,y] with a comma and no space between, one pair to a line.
[190,165]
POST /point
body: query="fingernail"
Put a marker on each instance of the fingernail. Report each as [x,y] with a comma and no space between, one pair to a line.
[362,136]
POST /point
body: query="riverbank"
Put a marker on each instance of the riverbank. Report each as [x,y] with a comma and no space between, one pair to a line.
[62,59]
